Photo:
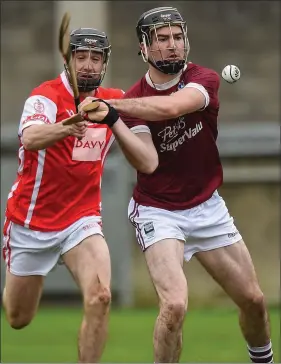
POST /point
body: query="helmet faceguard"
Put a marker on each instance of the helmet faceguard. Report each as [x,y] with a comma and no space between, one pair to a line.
[148,23]
[89,40]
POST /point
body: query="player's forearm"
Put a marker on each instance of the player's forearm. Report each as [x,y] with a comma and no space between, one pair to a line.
[37,137]
[154,108]
[134,149]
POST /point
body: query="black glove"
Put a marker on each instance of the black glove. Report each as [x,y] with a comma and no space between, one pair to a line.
[111,117]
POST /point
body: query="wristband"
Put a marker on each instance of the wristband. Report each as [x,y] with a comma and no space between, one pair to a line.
[112,115]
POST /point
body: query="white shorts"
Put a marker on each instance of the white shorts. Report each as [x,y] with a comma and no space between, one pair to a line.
[204,227]
[29,252]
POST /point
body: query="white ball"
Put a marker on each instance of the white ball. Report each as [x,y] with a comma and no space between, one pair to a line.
[231,73]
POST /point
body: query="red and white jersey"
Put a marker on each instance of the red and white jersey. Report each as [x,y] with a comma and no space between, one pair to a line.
[62,183]
[189,168]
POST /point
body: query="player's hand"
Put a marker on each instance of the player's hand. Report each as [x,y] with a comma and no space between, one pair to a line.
[88,100]
[104,114]
[96,116]
[77,130]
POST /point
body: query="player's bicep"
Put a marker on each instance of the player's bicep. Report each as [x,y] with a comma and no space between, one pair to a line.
[146,138]
[190,99]
[141,130]
[38,110]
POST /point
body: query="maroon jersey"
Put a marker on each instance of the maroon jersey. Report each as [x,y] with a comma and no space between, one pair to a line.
[189,168]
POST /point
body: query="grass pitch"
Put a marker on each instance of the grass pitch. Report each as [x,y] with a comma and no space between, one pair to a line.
[209,336]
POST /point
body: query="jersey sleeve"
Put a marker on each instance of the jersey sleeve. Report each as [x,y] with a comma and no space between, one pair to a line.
[206,81]
[136,125]
[39,108]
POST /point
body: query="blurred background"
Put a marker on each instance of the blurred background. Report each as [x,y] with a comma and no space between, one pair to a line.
[244,33]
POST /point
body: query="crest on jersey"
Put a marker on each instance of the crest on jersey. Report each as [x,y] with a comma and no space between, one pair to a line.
[181,85]
[39,106]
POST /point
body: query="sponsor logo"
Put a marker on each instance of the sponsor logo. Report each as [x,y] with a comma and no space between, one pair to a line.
[231,235]
[166,17]
[90,226]
[171,132]
[149,229]
[39,106]
[173,136]
[91,146]
[40,117]
[90,41]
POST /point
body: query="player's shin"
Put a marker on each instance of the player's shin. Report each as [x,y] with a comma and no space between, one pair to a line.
[93,332]
[256,330]
[167,334]
[177,353]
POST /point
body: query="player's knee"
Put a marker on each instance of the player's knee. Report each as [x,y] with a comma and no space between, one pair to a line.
[173,312]
[253,301]
[97,298]
[104,296]
[177,309]
[18,320]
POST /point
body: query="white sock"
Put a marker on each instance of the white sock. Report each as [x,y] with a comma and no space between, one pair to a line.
[262,354]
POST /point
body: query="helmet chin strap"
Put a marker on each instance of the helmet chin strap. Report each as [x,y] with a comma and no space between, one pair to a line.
[168,67]
[86,86]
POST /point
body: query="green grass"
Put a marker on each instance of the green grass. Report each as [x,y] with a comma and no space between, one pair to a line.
[209,336]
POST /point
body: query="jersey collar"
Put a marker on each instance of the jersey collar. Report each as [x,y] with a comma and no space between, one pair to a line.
[66,82]
[164,86]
